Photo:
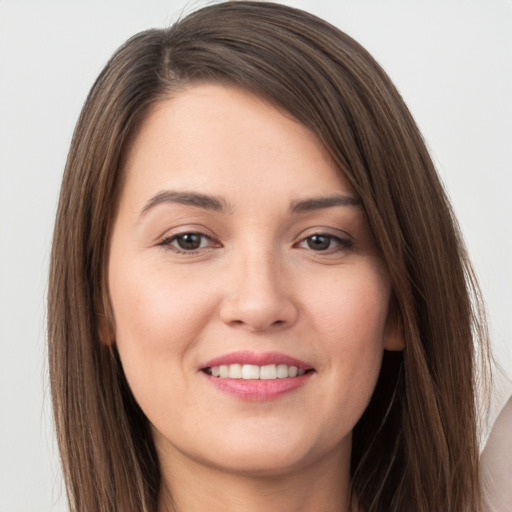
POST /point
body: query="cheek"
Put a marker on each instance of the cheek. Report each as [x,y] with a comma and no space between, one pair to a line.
[349,317]
[157,318]
[351,311]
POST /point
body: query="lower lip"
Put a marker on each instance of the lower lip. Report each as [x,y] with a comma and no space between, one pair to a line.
[258,389]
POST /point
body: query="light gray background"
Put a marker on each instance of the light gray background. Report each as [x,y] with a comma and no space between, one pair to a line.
[451,59]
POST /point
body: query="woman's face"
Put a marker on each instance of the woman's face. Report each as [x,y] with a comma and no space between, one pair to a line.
[238,250]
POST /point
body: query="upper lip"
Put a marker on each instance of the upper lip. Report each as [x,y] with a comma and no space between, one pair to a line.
[259,359]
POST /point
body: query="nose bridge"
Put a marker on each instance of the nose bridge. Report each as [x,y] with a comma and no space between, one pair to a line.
[259,272]
[258,297]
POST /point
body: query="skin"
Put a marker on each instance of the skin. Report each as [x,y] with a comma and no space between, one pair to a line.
[496,464]
[255,283]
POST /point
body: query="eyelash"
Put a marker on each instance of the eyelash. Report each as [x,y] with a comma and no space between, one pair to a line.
[168,241]
[341,244]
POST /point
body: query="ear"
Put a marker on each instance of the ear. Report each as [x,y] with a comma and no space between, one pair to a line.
[105,330]
[393,332]
[105,320]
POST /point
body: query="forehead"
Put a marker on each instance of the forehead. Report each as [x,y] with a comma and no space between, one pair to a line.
[223,140]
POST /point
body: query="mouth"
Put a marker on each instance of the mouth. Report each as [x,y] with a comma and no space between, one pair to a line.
[257,377]
[248,365]
[256,372]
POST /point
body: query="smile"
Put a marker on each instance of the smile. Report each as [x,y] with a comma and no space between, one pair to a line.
[253,376]
[255,372]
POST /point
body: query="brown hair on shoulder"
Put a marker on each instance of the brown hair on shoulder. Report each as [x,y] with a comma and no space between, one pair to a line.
[415,448]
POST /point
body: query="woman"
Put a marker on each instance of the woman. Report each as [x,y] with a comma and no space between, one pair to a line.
[259,298]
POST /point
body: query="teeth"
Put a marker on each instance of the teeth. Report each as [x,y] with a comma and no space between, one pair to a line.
[282,371]
[268,372]
[250,371]
[235,371]
[253,372]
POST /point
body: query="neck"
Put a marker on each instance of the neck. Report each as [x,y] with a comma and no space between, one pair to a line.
[189,486]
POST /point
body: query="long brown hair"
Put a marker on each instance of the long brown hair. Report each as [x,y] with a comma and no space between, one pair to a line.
[415,448]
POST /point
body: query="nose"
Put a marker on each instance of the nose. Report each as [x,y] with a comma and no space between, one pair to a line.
[258,298]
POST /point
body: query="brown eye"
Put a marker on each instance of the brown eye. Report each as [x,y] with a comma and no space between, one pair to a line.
[189,241]
[319,242]
[327,243]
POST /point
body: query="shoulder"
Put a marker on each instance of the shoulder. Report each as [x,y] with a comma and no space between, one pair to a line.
[496,459]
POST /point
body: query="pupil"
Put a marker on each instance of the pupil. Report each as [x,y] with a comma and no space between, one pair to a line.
[189,241]
[319,242]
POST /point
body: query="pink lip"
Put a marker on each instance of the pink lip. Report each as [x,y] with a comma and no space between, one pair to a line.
[246,357]
[257,390]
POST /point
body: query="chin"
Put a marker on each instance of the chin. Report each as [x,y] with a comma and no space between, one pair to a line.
[275,454]
[260,465]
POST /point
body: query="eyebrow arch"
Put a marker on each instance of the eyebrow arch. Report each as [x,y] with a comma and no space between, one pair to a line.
[319,203]
[187,198]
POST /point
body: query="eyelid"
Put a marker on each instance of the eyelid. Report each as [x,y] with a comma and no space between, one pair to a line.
[183,229]
[326,231]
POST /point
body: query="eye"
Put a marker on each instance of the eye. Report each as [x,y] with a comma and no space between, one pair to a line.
[187,242]
[322,242]
[319,242]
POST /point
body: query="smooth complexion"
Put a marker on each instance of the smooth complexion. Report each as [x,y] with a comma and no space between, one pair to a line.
[237,241]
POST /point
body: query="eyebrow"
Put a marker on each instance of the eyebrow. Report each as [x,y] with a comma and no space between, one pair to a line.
[187,198]
[219,204]
[319,203]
